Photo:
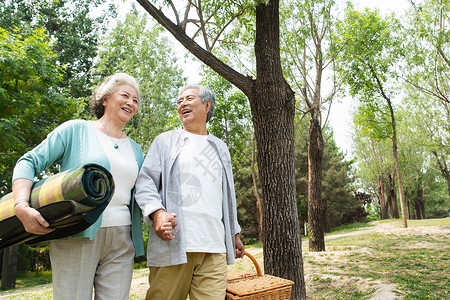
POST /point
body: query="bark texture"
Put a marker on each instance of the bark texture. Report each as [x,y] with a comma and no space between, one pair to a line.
[392,199]
[272,104]
[383,207]
[316,206]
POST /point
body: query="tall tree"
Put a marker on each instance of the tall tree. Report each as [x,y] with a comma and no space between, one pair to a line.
[422,123]
[306,34]
[272,105]
[425,189]
[373,168]
[338,181]
[427,71]
[371,51]
[429,130]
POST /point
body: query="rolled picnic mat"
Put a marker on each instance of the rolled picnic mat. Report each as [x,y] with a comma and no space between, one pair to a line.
[70,201]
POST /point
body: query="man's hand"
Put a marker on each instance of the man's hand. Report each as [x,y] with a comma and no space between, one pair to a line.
[164,224]
[240,249]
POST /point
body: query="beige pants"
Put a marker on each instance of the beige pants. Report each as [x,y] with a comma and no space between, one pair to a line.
[104,263]
[203,277]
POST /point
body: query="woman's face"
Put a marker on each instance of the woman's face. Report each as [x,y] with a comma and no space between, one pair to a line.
[122,104]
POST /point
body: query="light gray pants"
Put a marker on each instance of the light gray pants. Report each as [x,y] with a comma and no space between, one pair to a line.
[104,263]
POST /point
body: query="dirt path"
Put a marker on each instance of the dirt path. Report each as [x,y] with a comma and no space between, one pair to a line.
[391,228]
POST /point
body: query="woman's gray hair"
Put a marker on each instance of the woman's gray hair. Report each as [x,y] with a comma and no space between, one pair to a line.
[205,94]
[106,88]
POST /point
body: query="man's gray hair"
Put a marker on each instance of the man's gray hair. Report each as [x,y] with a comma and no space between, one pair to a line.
[205,94]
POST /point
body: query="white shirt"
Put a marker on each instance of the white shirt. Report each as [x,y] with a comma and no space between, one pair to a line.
[201,189]
[124,170]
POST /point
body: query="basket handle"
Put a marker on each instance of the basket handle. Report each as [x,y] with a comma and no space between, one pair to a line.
[258,268]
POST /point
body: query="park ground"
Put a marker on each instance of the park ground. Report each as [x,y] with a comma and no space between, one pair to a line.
[375,261]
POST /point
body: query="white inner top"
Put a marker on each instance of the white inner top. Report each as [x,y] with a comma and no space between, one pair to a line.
[201,189]
[124,170]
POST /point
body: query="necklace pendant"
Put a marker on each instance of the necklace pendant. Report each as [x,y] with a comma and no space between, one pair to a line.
[116,146]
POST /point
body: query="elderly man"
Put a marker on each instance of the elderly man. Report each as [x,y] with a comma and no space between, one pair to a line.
[186,192]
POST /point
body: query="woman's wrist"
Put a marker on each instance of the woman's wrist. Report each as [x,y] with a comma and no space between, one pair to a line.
[21,203]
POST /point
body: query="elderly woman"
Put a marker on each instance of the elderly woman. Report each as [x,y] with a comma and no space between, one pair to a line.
[102,256]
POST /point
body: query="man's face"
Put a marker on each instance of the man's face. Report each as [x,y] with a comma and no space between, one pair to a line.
[191,110]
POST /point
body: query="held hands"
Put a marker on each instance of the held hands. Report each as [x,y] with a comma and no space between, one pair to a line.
[32,220]
[164,224]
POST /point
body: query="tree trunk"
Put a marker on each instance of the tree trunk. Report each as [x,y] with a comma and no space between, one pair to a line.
[317,206]
[418,201]
[422,210]
[259,207]
[400,186]
[326,219]
[272,106]
[416,210]
[316,209]
[9,267]
[392,199]
[407,205]
[410,206]
[383,207]
[281,238]
[394,150]
[397,165]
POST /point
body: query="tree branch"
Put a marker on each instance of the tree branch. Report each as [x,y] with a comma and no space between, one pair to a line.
[442,166]
[202,26]
[245,84]
[177,17]
[424,90]
[380,85]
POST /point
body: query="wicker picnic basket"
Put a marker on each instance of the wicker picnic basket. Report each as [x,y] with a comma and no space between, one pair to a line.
[249,286]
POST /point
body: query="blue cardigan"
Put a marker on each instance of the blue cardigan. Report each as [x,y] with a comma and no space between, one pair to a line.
[71,145]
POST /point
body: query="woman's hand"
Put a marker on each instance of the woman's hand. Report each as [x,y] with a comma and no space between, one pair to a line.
[32,220]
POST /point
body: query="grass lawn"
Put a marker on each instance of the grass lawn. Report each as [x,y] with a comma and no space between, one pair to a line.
[413,263]
[377,261]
